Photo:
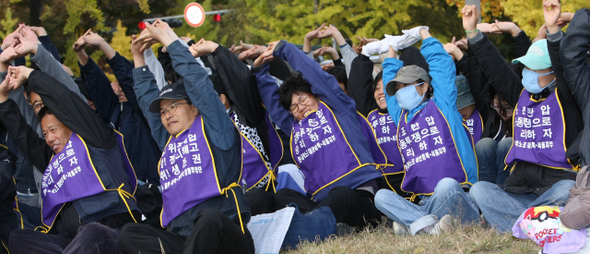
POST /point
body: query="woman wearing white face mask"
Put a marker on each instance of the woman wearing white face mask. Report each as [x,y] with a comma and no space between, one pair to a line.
[435,149]
[546,122]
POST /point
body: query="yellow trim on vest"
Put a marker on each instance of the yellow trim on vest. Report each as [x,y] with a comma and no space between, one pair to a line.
[454,144]
[379,166]
[349,146]
[124,196]
[564,131]
[17,209]
[279,138]
[472,147]
[45,228]
[128,160]
[257,151]
[212,161]
[341,131]
[230,187]
[213,158]
[91,162]
[342,176]
[3,146]
[5,247]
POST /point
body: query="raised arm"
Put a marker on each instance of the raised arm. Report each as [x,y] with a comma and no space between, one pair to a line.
[360,84]
[26,138]
[322,84]
[575,46]
[493,65]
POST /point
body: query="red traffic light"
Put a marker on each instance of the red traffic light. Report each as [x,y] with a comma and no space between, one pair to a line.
[141,25]
[217,18]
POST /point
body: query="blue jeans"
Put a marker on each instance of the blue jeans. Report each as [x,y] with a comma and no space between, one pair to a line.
[490,156]
[448,198]
[501,209]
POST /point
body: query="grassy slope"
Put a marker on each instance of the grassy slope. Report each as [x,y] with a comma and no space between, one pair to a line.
[466,239]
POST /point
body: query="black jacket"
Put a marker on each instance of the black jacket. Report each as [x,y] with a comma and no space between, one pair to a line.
[527,177]
[574,48]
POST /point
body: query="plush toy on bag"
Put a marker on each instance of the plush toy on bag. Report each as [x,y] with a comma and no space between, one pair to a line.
[543,225]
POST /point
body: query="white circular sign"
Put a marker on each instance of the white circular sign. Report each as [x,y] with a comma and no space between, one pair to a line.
[194,14]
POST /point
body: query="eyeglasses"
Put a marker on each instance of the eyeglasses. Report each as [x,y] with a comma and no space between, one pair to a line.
[171,108]
[37,106]
[508,109]
[303,99]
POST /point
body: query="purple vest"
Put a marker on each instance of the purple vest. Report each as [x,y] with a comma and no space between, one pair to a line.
[129,170]
[385,131]
[69,176]
[321,149]
[474,126]
[254,168]
[187,172]
[428,151]
[539,132]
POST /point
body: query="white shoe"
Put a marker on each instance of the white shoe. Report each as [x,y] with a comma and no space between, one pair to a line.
[445,224]
[400,229]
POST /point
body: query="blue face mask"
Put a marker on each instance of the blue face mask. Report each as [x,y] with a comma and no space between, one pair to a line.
[530,81]
[408,97]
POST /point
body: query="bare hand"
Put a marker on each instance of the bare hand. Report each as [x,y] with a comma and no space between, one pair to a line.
[26,46]
[80,43]
[28,33]
[470,17]
[9,54]
[328,32]
[488,28]
[38,30]
[313,34]
[267,56]
[552,13]
[18,75]
[10,38]
[463,44]
[318,52]
[92,39]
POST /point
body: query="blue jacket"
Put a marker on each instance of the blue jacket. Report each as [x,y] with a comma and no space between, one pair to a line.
[324,86]
[222,135]
[125,117]
[442,72]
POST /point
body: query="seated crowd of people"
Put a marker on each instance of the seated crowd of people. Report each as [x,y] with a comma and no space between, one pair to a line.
[187,145]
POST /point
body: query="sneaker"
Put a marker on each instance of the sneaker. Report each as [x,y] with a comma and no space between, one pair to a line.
[400,229]
[445,224]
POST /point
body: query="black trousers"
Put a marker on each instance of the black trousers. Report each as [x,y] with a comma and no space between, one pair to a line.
[213,232]
[353,207]
[260,201]
[91,238]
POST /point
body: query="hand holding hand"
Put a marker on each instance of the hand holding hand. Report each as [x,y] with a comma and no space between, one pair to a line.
[18,76]
[267,56]
[26,45]
[552,13]
[470,17]
[488,28]
[9,54]
[329,31]
[11,38]
[93,39]
[313,34]
[38,30]
[80,43]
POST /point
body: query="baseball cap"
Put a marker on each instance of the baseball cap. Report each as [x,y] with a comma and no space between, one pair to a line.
[174,91]
[406,75]
[537,57]
[464,96]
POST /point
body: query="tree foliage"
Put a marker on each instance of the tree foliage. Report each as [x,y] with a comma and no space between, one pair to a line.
[528,14]
[8,24]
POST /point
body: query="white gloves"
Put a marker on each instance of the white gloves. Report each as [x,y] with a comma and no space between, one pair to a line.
[382,46]
[372,48]
[413,36]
